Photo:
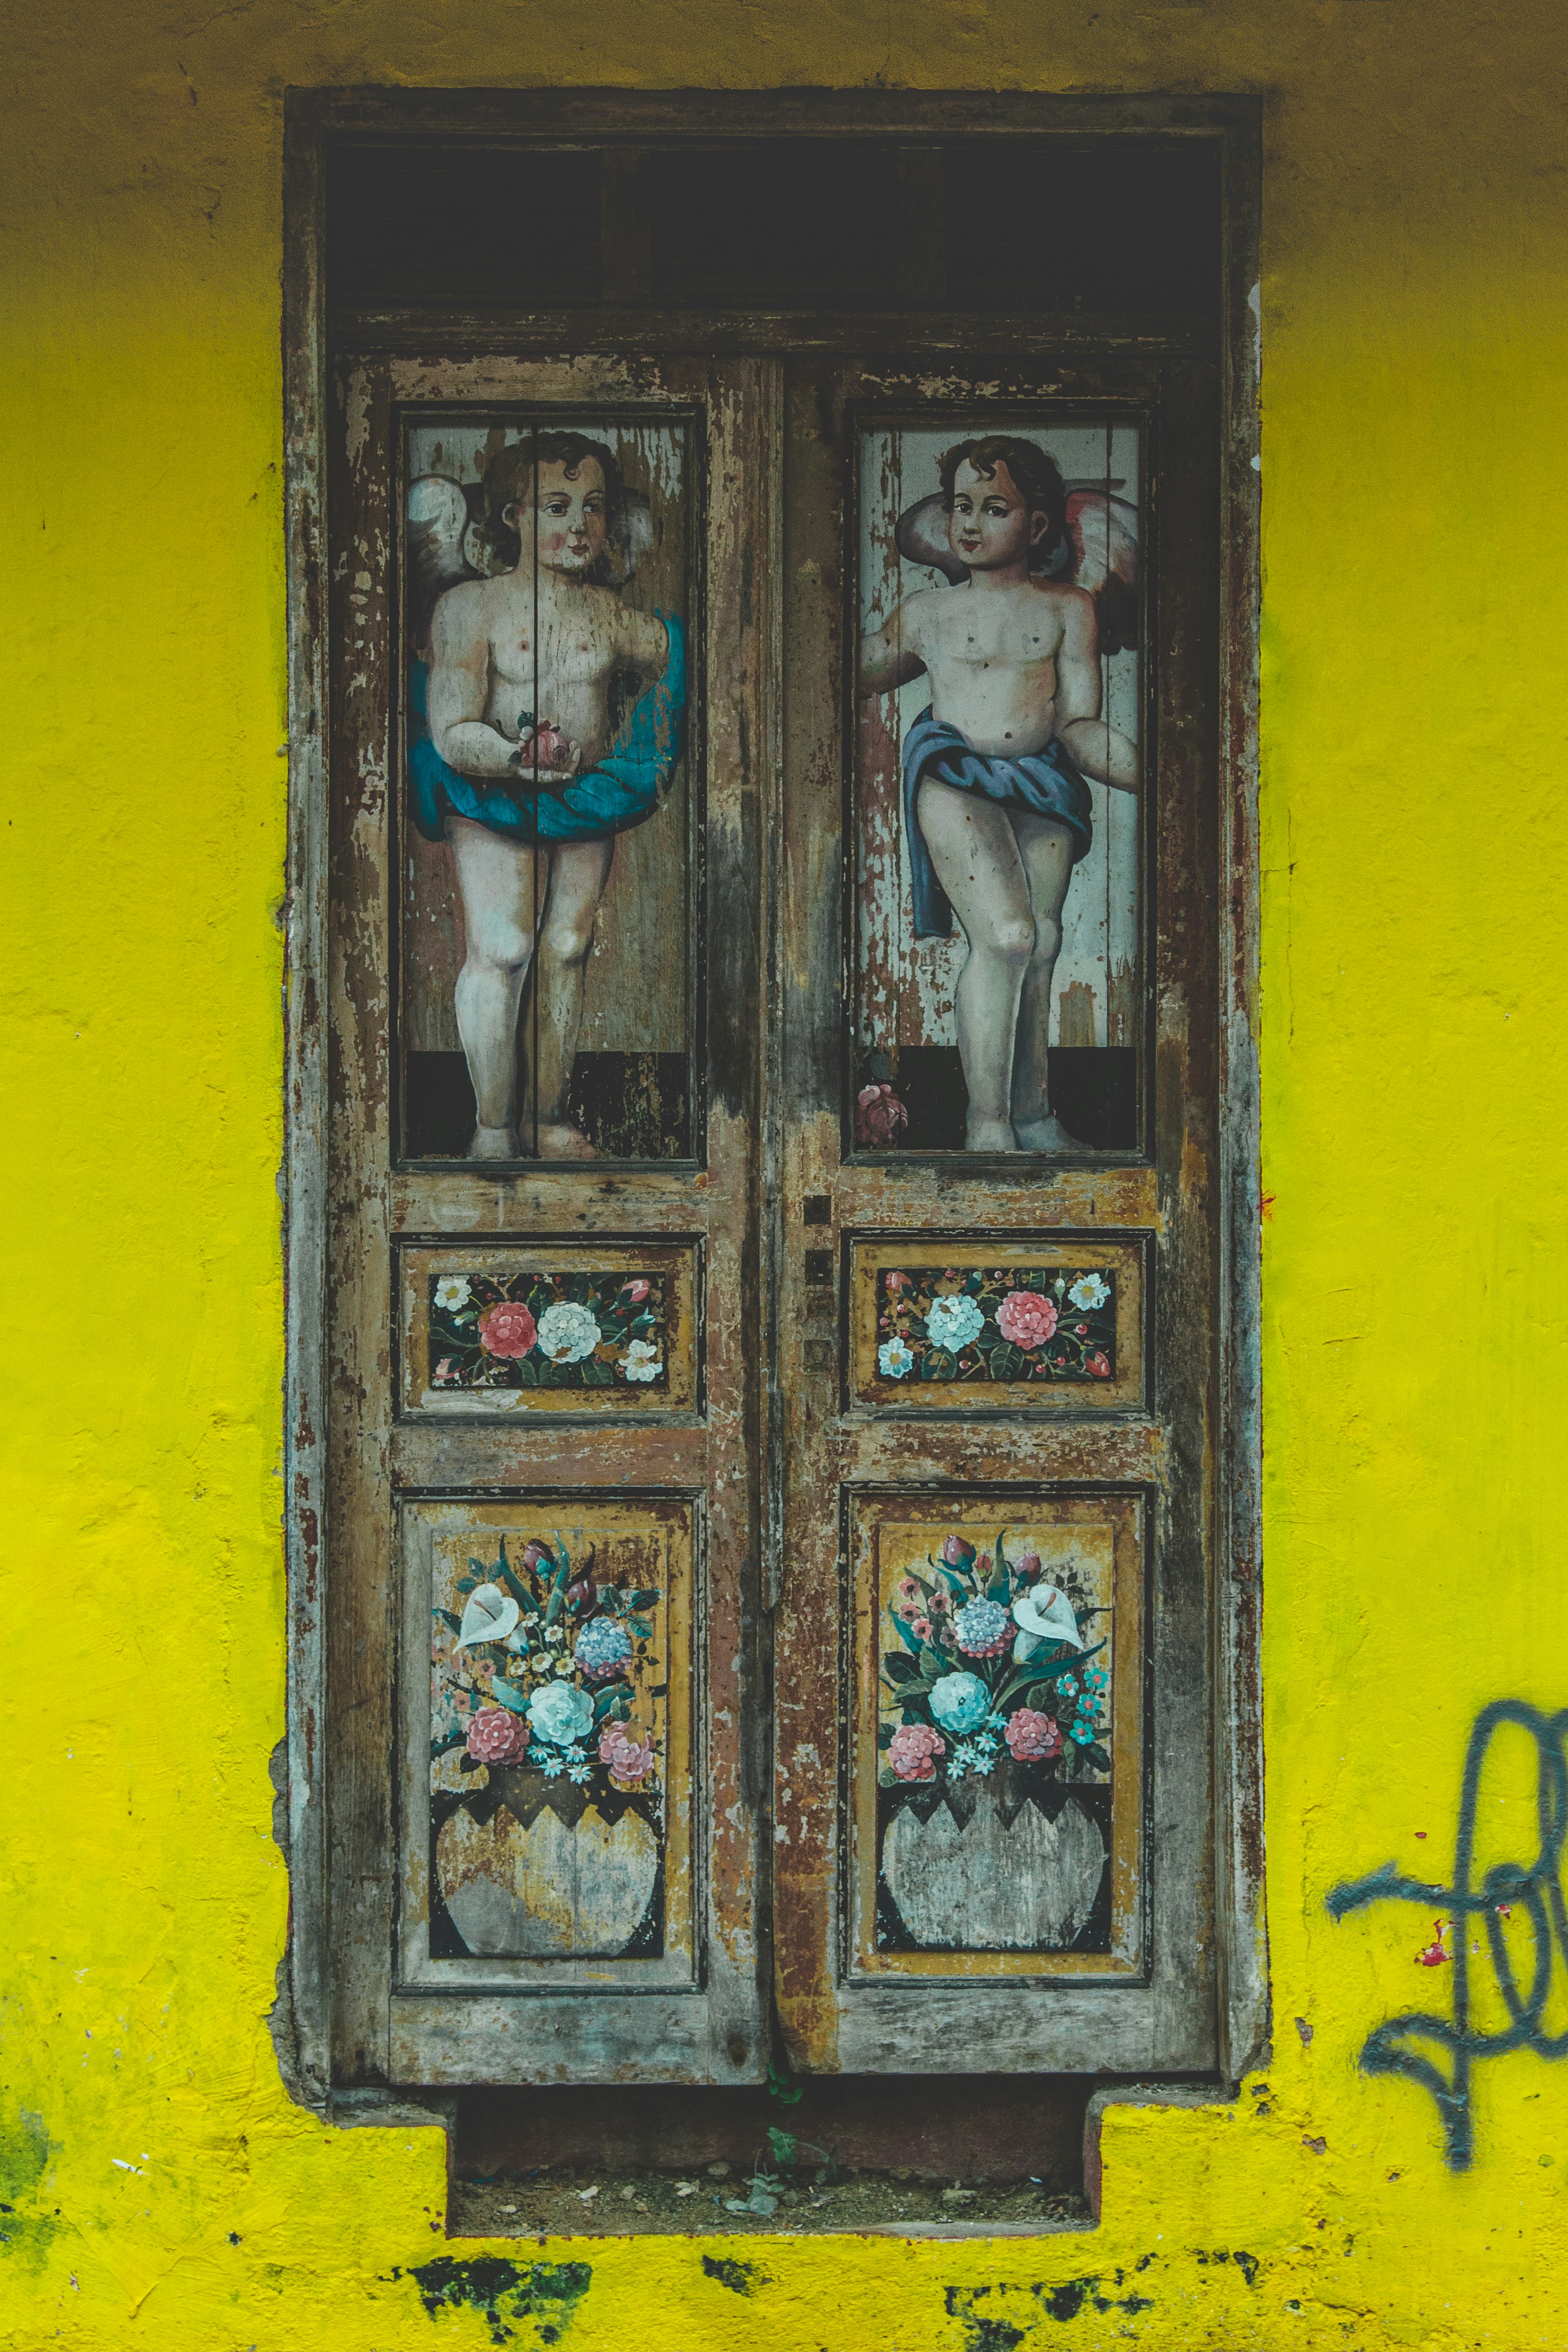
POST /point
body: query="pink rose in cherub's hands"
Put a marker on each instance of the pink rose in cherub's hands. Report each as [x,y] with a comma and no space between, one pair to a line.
[914,1750]
[546,756]
[1032,1736]
[508,1329]
[1026,1319]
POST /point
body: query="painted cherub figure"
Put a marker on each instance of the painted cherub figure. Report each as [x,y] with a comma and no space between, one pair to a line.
[516,759]
[996,809]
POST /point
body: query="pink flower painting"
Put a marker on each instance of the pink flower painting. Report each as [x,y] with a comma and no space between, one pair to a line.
[496,1736]
[629,1759]
[508,1329]
[914,1750]
[879,1116]
[1026,1319]
[1031,1736]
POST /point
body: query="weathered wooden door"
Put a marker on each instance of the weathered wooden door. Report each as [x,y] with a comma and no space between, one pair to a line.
[546,1486]
[772,1222]
[992,1845]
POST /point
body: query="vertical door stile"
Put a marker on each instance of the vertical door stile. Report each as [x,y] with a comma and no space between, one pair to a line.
[361,1641]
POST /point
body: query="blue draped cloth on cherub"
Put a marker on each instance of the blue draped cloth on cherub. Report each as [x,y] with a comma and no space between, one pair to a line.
[625,788]
[1045,783]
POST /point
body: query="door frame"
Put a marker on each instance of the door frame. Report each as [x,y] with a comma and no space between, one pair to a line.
[313,122]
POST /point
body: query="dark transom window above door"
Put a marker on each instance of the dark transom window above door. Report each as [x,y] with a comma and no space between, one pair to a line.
[777,1388]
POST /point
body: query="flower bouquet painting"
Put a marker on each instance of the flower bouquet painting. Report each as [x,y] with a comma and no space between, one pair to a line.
[994,1743]
[549,1331]
[547,1732]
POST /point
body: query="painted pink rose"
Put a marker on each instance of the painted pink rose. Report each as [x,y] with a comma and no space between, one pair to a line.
[956,1552]
[914,1750]
[1026,1319]
[635,1291]
[533,1551]
[879,1115]
[1027,1568]
[496,1736]
[920,1628]
[1097,1365]
[629,1759]
[896,1281]
[507,1329]
[1031,1735]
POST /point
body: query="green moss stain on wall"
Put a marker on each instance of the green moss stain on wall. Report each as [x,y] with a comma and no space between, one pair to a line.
[1412,1027]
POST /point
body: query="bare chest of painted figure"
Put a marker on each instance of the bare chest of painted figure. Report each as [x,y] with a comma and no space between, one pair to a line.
[992,661]
[555,660]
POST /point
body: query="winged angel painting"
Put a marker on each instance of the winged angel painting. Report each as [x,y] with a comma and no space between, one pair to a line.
[545,720]
[1030,591]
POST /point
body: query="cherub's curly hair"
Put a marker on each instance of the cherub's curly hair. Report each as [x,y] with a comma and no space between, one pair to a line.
[509,481]
[1037,477]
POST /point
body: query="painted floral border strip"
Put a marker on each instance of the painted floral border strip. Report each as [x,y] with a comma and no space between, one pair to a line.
[550,1330]
[990,1654]
[996,1324]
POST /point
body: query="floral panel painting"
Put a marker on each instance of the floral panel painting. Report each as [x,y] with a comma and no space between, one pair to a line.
[995,1738]
[996,1323]
[549,1724]
[550,1330]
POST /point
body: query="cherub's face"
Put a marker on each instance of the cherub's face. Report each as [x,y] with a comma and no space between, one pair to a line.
[571,526]
[989,526]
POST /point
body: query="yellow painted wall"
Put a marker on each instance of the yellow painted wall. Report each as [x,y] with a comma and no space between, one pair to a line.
[161,2191]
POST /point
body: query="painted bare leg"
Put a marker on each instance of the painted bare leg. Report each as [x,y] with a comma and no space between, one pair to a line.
[977,861]
[1045,848]
[496,884]
[579,871]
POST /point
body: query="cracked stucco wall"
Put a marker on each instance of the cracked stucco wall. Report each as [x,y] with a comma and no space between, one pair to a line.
[158,2190]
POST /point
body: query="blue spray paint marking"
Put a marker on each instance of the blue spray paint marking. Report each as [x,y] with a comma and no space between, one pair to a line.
[1538,1889]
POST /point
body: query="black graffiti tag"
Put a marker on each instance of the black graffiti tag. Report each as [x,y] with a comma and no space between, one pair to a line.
[1537,1887]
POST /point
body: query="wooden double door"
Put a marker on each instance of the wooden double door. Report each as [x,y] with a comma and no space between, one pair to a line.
[770,1528]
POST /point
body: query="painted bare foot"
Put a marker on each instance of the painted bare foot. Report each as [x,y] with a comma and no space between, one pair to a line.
[564,1143]
[494,1143]
[989,1134]
[1047,1134]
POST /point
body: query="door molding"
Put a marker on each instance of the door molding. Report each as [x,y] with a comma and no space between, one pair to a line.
[313,122]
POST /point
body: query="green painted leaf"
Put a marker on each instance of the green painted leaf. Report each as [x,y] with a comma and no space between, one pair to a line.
[644,1598]
[899,1669]
[449,1617]
[509,1695]
[640,1626]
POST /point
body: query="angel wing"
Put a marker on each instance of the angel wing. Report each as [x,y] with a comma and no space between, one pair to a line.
[1098,551]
